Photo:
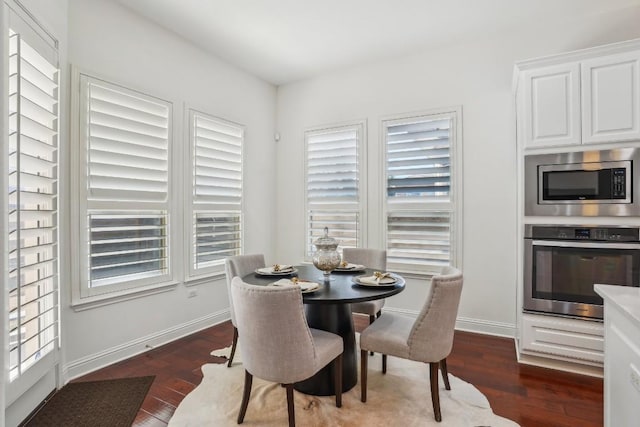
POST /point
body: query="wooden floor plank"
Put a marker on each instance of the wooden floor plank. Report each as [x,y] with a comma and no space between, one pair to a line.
[529,395]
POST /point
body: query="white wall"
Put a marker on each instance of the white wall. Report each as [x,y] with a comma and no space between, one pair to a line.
[477,75]
[112,42]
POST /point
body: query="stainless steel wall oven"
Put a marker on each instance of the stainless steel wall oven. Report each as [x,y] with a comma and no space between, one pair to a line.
[562,263]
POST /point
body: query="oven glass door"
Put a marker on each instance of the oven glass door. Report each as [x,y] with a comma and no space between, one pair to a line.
[567,271]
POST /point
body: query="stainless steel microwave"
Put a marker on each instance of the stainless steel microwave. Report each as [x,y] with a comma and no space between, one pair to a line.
[584,183]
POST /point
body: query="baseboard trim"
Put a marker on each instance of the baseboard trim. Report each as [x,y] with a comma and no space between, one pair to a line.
[87,364]
[486,327]
[469,325]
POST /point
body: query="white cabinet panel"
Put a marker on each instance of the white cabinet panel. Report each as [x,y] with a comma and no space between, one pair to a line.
[622,373]
[611,98]
[563,337]
[552,106]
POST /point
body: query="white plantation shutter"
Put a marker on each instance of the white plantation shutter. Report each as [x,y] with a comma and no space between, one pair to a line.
[127,246]
[420,206]
[333,185]
[419,160]
[32,283]
[126,136]
[217,190]
[218,161]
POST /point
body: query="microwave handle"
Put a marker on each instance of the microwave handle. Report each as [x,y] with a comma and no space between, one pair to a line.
[574,244]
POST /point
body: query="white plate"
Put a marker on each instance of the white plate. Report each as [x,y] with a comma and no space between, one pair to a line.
[275,273]
[305,287]
[308,287]
[357,281]
[351,267]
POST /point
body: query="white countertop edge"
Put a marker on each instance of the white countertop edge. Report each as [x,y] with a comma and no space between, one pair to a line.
[625,298]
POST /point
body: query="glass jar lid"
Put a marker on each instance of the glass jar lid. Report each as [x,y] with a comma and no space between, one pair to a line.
[326,242]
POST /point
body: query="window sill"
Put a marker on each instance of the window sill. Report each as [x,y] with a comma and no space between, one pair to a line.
[108,299]
[198,280]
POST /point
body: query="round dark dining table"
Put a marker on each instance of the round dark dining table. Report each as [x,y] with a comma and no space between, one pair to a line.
[329,308]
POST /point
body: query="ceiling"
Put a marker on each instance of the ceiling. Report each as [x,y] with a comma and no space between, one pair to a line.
[282,41]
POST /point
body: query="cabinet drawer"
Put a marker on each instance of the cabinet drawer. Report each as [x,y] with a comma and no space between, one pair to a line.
[573,339]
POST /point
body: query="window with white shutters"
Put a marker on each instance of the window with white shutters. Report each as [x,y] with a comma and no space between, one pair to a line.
[32,284]
[125,136]
[216,165]
[420,186]
[333,184]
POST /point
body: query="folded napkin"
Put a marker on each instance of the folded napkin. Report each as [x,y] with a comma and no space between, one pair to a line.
[348,266]
[304,285]
[378,278]
[276,268]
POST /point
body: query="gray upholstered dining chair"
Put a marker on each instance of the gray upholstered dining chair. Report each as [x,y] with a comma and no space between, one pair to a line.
[277,343]
[240,266]
[371,258]
[428,339]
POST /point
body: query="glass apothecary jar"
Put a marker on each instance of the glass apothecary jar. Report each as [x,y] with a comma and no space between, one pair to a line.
[326,258]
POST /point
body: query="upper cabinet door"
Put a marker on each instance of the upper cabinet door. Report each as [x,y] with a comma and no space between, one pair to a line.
[552,106]
[611,95]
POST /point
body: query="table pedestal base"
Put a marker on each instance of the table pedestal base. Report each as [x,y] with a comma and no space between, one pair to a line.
[334,318]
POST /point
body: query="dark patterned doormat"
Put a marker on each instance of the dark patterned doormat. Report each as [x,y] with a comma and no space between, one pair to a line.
[109,403]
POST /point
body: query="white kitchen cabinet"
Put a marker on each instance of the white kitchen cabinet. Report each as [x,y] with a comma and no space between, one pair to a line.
[563,339]
[552,109]
[611,98]
[622,355]
[591,96]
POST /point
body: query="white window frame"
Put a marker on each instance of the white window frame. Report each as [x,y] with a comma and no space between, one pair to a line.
[453,206]
[84,296]
[360,126]
[193,206]
[14,15]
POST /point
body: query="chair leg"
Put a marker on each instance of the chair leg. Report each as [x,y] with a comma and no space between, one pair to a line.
[338,380]
[233,346]
[248,379]
[290,407]
[363,375]
[379,313]
[384,363]
[435,396]
[445,373]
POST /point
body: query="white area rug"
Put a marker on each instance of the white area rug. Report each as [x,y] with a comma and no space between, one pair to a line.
[400,397]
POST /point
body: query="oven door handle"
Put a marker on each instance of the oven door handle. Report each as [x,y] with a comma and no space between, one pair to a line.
[574,244]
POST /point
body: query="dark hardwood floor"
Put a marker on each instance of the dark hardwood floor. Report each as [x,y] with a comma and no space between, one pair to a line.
[531,396]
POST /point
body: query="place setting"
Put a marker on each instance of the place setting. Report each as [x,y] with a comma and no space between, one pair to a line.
[377,280]
[305,286]
[347,267]
[277,270]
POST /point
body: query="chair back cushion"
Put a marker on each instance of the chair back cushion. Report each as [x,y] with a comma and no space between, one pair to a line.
[431,337]
[372,258]
[240,265]
[276,344]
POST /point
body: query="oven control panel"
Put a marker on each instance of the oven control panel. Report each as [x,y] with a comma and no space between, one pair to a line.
[607,234]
